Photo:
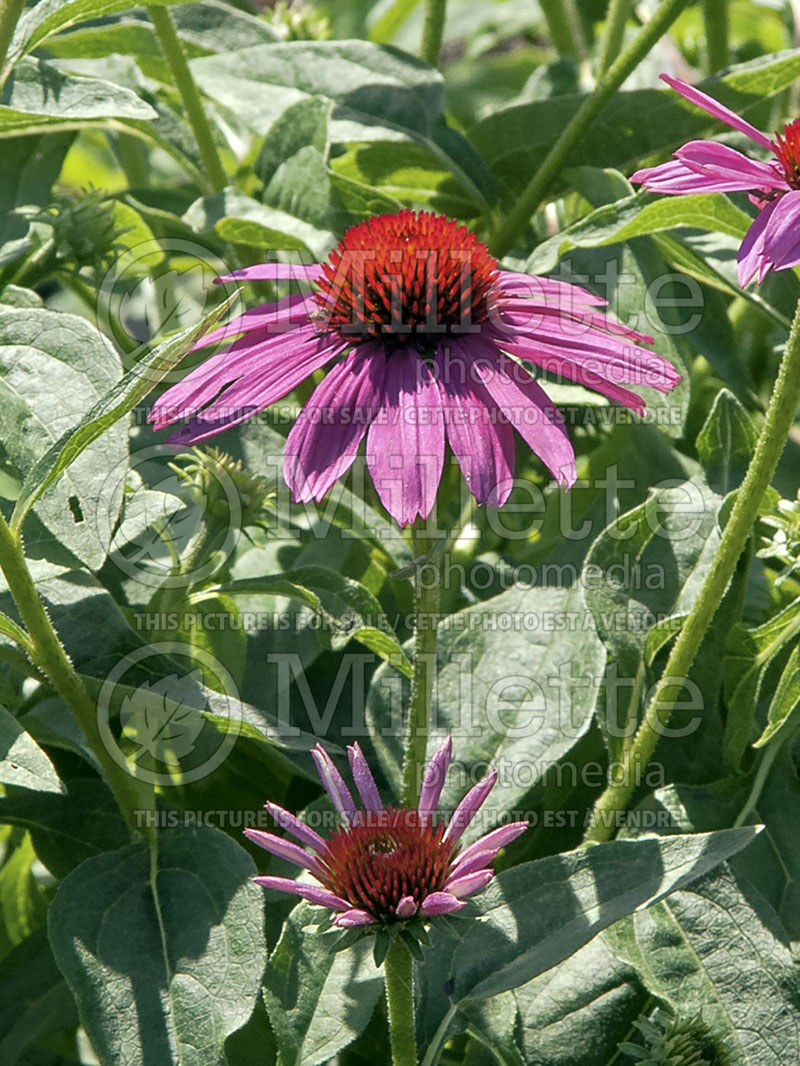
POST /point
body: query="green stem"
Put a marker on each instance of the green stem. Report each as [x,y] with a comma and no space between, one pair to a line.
[398,974]
[561,25]
[426,615]
[716,24]
[762,773]
[778,422]
[195,112]
[10,11]
[619,11]
[433,31]
[48,655]
[593,104]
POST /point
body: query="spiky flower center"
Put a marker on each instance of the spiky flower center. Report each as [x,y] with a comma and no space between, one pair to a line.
[385,856]
[787,151]
[409,278]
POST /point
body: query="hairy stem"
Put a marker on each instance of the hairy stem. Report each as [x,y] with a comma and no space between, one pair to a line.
[716,25]
[398,972]
[619,11]
[432,31]
[185,84]
[593,104]
[561,24]
[778,422]
[426,617]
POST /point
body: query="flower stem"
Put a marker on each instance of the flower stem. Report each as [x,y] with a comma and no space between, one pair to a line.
[426,618]
[48,655]
[561,24]
[762,773]
[10,11]
[716,24]
[398,974]
[619,11]
[433,31]
[195,112]
[778,422]
[593,104]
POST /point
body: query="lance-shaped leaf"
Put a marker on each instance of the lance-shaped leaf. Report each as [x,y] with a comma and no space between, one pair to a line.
[22,761]
[783,710]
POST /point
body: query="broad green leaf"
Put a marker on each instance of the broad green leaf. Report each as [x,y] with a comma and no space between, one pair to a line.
[539,913]
[37,96]
[782,716]
[164,958]
[53,367]
[28,168]
[318,1000]
[239,218]
[726,443]
[637,216]
[716,950]
[345,607]
[22,761]
[632,126]
[108,411]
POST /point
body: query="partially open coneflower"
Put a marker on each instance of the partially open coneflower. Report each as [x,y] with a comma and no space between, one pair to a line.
[427,340]
[385,865]
[773,240]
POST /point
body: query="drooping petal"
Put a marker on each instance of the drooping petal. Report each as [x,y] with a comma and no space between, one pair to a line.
[480,438]
[284,849]
[492,841]
[405,446]
[323,442]
[274,272]
[724,162]
[676,179]
[773,240]
[567,296]
[441,903]
[434,779]
[277,317]
[716,110]
[333,783]
[529,410]
[469,883]
[365,782]
[406,907]
[469,807]
[287,820]
[313,893]
[355,916]
[479,860]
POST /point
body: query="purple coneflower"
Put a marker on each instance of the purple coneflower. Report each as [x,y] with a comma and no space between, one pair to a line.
[418,326]
[387,864]
[773,240]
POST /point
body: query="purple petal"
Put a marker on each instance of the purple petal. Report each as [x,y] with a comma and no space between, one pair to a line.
[334,783]
[353,917]
[405,446]
[676,179]
[727,164]
[406,908]
[493,841]
[284,849]
[466,884]
[529,409]
[365,782]
[717,110]
[296,827]
[441,903]
[324,440]
[275,317]
[567,295]
[773,240]
[478,860]
[313,893]
[482,442]
[274,272]
[434,779]
[469,807]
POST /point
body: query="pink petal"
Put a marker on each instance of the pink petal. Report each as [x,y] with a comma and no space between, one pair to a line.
[334,783]
[441,903]
[313,893]
[296,827]
[469,883]
[365,782]
[709,157]
[496,839]
[773,240]
[676,179]
[537,288]
[434,779]
[406,908]
[274,272]
[482,442]
[405,446]
[278,315]
[323,442]
[284,849]
[353,917]
[478,860]
[469,807]
[719,111]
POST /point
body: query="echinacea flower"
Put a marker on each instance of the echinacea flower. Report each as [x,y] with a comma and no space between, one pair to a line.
[424,338]
[387,864]
[773,240]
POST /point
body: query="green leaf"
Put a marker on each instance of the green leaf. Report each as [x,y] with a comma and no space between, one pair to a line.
[386,17]
[318,1000]
[52,367]
[23,906]
[347,609]
[22,761]
[112,407]
[37,96]
[726,443]
[164,958]
[717,950]
[782,716]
